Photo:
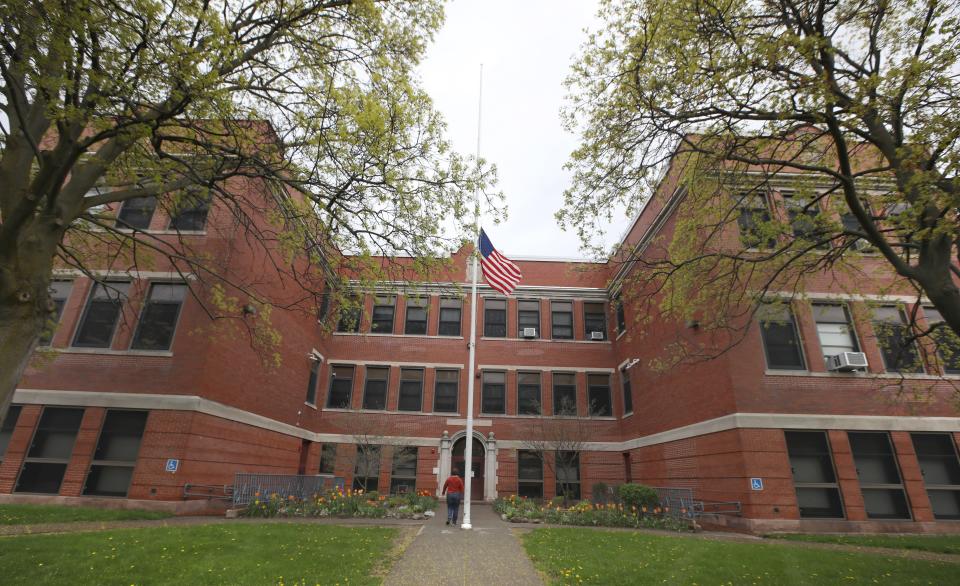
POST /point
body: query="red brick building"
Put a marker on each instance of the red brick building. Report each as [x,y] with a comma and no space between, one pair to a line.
[133,382]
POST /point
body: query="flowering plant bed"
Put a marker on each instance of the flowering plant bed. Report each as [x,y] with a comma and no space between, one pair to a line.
[344,503]
[522,510]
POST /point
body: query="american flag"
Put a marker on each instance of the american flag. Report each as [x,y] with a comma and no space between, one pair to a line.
[499,272]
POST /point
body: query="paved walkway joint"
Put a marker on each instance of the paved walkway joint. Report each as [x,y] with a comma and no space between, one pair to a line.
[443,555]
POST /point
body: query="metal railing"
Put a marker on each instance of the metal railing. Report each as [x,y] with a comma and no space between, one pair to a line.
[222,492]
[246,486]
[680,503]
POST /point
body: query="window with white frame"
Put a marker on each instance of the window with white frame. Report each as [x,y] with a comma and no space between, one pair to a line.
[835,330]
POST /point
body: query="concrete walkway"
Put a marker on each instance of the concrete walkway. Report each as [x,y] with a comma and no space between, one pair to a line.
[489,553]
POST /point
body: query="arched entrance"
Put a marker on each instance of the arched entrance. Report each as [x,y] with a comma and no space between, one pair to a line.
[478,457]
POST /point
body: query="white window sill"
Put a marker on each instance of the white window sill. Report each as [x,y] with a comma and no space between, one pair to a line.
[387,411]
[167,232]
[379,335]
[311,405]
[627,415]
[884,375]
[109,352]
[549,340]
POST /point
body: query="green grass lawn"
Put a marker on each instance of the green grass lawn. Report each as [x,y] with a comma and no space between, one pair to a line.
[268,553]
[31,514]
[935,543]
[574,556]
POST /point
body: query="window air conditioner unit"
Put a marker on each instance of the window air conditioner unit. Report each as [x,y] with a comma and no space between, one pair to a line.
[529,332]
[596,335]
[847,361]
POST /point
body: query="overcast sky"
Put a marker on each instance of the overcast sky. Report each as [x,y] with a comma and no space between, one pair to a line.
[526,49]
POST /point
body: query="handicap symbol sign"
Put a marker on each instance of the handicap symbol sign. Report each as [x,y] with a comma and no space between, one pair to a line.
[172,465]
[756,483]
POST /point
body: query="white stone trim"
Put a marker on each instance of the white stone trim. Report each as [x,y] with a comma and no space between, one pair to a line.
[110,352]
[830,296]
[550,340]
[134,274]
[526,367]
[718,424]
[351,362]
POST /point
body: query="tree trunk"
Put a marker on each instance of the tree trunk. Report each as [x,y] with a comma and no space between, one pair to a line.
[20,328]
[936,279]
[25,272]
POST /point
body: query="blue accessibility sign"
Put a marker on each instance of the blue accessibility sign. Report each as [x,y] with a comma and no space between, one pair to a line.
[756,483]
[172,465]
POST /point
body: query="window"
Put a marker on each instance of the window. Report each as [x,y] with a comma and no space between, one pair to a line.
[561,320]
[383,307]
[191,213]
[494,392]
[350,313]
[59,293]
[450,316]
[802,214]
[341,387]
[835,330]
[568,475]
[366,473]
[756,230]
[100,316]
[50,451]
[403,478]
[780,340]
[495,318]
[136,213]
[375,389]
[852,224]
[627,393]
[818,494]
[116,455]
[594,320]
[621,315]
[528,393]
[6,430]
[324,307]
[529,474]
[416,316]
[564,393]
[446,391]
[159,317]
[948,344]
[528,316]
[598,394]
[328,458]
[937,455]
[883,494]
[899,351]
[411,390]
[312,382]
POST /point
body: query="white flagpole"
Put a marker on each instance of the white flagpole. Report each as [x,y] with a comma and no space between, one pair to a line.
[468,446]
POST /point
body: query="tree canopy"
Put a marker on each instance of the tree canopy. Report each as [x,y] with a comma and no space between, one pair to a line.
[106,102]
[824,131]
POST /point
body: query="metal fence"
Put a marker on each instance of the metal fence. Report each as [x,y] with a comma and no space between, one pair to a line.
[246,486]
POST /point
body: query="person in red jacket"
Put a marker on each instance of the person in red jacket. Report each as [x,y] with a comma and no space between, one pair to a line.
[453,488]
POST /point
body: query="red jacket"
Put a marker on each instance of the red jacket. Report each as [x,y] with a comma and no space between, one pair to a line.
[454,484]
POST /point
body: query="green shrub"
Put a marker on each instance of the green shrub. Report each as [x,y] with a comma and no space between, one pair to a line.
[638,498]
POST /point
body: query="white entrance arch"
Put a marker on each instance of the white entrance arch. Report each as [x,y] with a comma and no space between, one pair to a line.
[489,461]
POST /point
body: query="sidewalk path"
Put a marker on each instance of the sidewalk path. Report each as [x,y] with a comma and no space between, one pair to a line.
[445,555]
